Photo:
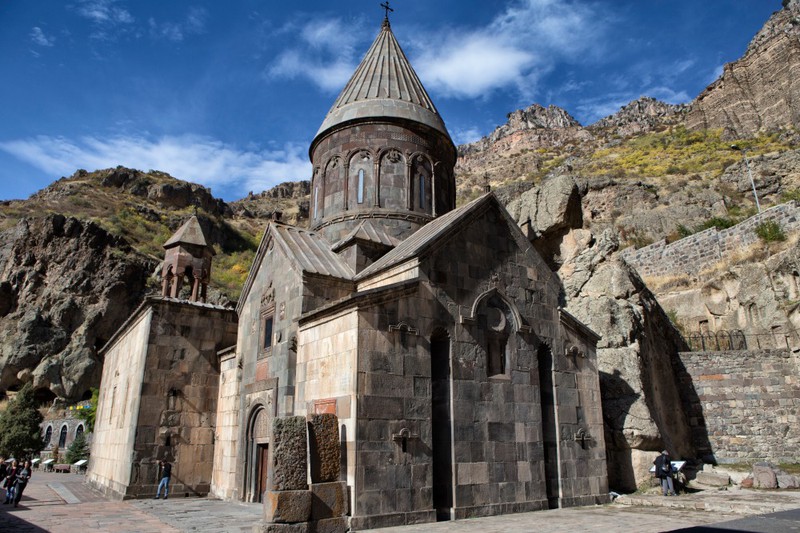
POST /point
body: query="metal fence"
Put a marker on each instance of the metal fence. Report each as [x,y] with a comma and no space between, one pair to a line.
[734,340]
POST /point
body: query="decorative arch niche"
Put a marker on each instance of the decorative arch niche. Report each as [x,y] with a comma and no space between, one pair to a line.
[393,193]
[496,322]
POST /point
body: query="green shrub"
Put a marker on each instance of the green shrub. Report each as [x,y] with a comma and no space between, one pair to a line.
[770,231]
[717,222]
[79,449]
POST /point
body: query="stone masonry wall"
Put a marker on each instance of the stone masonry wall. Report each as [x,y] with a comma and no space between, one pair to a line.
[746,401]
[692,254]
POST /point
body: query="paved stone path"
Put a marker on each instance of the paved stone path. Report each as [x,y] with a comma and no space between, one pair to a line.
[63,503]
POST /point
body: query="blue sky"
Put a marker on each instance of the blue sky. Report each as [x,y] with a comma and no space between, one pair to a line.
[230,94]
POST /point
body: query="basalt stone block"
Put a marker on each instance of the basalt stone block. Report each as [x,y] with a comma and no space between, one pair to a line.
[323,437]
[329,500]
[330,525]
[266,527]
[713,479]
[289,454]
[287,506]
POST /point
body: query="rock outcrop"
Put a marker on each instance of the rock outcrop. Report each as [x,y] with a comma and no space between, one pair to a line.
[533,118]
[65,287]
[639,345]
[641,116]
[760,91]
[290,198]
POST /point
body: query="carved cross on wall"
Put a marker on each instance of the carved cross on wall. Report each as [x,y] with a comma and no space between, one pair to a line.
[582,437]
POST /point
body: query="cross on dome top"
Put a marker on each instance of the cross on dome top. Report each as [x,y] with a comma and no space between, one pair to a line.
[386,7]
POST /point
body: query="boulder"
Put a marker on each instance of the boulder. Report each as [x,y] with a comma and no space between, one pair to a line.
[713,479]
[764,476]
[65,287]
[786,481]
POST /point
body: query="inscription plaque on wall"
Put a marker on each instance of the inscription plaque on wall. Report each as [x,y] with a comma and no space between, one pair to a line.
[325,406]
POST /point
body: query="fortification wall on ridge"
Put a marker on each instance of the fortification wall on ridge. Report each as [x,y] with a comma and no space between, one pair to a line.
[697,252]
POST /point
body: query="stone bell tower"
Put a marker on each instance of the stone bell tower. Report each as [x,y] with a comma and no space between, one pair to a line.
[187,259]
[383,155]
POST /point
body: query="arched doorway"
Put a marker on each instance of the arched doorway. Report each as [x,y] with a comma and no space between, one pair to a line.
[441,425]
[62,439]
[257,457]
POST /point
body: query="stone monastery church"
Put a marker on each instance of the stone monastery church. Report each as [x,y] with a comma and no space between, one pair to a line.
[432,332]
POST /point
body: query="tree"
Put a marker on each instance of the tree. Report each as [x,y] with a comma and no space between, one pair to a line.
[88,415]
[20,431]
[79,449]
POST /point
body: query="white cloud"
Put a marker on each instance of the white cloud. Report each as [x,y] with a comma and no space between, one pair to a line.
[193,24]
[514,50]
[474,66]
[106,17]
[104,12]
[198,159]
[466,136]
[39,37]
[322,51]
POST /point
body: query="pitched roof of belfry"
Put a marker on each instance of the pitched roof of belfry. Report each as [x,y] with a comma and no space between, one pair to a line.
[189,233]
[384,85]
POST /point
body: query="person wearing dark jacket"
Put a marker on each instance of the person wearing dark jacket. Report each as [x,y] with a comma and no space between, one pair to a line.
[10,480]
[664,471]
[3,470]
[166,473]
[23,476]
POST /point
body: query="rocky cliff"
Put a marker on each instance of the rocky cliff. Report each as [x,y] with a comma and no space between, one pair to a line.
[68,280]
[65,287]
[760,91]
[641,116]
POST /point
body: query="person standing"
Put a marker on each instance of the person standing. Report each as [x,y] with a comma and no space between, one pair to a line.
[166,473]
[23,476]
[3,469]
[9,481]
[664,471]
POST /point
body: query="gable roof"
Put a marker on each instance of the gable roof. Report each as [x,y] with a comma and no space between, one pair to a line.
[307,250]
[430,233]
[368,232]
[310,252]
[384,85]
[189,233]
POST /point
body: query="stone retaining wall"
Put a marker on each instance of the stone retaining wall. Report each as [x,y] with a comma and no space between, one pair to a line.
[702,250]
[746,402]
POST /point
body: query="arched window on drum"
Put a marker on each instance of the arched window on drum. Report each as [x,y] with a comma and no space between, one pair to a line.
[361,183]
[422,178]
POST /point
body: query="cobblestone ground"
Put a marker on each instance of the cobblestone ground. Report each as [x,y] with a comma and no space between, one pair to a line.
[63,503]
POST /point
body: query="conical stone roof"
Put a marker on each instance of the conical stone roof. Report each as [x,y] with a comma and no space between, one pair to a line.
[384,85]
[189,233]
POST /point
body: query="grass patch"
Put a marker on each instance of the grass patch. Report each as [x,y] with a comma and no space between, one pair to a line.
[770,231]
